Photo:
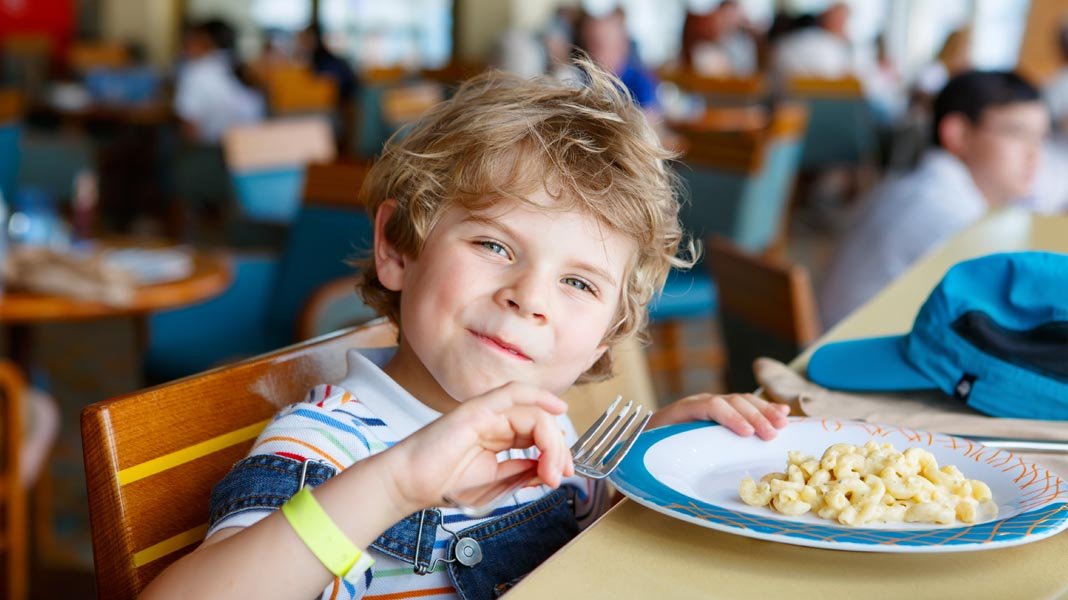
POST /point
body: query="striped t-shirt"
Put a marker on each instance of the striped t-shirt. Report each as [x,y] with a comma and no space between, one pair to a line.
[365,414]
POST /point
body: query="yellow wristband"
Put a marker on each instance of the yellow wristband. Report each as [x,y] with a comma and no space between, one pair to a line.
[319,533]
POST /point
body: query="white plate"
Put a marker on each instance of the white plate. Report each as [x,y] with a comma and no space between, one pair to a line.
[691,472]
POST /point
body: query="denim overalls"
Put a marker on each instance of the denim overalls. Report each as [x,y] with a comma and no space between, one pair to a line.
[484,561]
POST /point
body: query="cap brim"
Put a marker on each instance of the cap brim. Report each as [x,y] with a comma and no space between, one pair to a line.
[869,365]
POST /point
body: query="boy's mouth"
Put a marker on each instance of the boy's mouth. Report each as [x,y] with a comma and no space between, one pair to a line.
[501,345]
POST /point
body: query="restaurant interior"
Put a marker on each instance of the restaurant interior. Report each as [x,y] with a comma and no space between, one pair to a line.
[181,220]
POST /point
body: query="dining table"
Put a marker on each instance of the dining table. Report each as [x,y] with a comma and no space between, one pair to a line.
[210,275]
[636,552]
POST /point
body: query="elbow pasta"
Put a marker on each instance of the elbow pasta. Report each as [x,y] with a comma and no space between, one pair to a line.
[873,483]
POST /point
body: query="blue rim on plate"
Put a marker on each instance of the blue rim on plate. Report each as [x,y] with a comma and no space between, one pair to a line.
[632,478]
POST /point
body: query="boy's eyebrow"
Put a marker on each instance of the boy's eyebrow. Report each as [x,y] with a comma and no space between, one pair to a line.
[593,269]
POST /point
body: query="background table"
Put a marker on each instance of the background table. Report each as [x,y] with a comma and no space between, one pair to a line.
[634,552]
[210,277]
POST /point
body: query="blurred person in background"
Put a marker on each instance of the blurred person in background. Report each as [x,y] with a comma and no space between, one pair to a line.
[719,43]
[987,132]
[209,96]
[822,50]
[608,44]
[312,49]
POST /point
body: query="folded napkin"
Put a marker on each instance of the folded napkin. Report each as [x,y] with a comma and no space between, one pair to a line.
[928,411]
[82,276]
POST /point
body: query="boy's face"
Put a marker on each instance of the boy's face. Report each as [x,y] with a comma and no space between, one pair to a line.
[1003,150]
[515,293]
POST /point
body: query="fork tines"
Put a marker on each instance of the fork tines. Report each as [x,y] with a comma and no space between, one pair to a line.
[602,447]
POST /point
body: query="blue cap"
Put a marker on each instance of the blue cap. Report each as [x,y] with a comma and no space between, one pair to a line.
[993,333]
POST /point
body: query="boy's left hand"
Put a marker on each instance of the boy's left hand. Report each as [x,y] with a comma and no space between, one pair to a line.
[743,414]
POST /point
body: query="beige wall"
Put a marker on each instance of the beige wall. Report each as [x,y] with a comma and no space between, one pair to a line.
[481,22]
[150,23]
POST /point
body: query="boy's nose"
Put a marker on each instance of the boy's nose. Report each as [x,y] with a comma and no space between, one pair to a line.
[526,296]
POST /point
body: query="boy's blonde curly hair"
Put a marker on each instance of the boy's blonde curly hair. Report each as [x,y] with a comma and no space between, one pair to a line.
[501,136]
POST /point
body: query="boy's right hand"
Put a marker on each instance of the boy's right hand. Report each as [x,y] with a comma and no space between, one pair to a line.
[459,450]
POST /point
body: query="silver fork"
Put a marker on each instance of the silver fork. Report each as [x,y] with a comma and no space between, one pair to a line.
[595,454]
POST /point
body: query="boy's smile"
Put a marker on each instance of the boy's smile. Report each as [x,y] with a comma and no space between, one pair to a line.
[519,292]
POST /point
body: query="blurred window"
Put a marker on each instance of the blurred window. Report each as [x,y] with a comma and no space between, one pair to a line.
[371,33]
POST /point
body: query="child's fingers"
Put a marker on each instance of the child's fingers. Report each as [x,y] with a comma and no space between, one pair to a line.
[518,394]
[555,458]
[776,413]
[724,413]
[746,406]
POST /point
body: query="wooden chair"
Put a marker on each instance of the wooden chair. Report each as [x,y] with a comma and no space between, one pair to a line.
[86,56]
[766,308]
[152,457]
[719,91]
[267,161]
[740,182]
[841,128]
[294,89]
[12,104]
[13,528]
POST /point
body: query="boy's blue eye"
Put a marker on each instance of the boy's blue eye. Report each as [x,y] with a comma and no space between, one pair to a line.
[494,247]
[579,284]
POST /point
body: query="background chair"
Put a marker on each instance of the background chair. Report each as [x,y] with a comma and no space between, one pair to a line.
[720,91]
[11,106]
[84,56]
[260,310]
[740,184]
[766,308]
[29,420]
[151,457]
[267,163]
[335,305]
[841,128]
[13,531]
[294,89]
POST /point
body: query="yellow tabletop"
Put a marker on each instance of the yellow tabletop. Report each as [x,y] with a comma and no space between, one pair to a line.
[634,552]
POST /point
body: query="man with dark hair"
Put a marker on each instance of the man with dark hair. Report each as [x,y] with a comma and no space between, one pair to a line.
[987,131]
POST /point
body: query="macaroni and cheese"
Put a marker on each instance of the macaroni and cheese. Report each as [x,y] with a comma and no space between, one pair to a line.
[873,483]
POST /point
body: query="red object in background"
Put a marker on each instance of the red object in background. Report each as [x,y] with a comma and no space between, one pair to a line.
[52,18]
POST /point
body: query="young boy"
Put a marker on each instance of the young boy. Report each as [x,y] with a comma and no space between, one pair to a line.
[520,230]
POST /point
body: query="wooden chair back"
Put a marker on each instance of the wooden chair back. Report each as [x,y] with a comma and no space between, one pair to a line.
[12,105]
[335,183]
[719,90]
[294,89]
[406,103]
[741,181]
[766,307]
[85,56]
[152,456]
[13,527]
[278,143]
[848,87]
[841,129]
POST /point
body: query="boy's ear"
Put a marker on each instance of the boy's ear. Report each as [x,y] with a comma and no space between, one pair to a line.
[389,262]
[953,133]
